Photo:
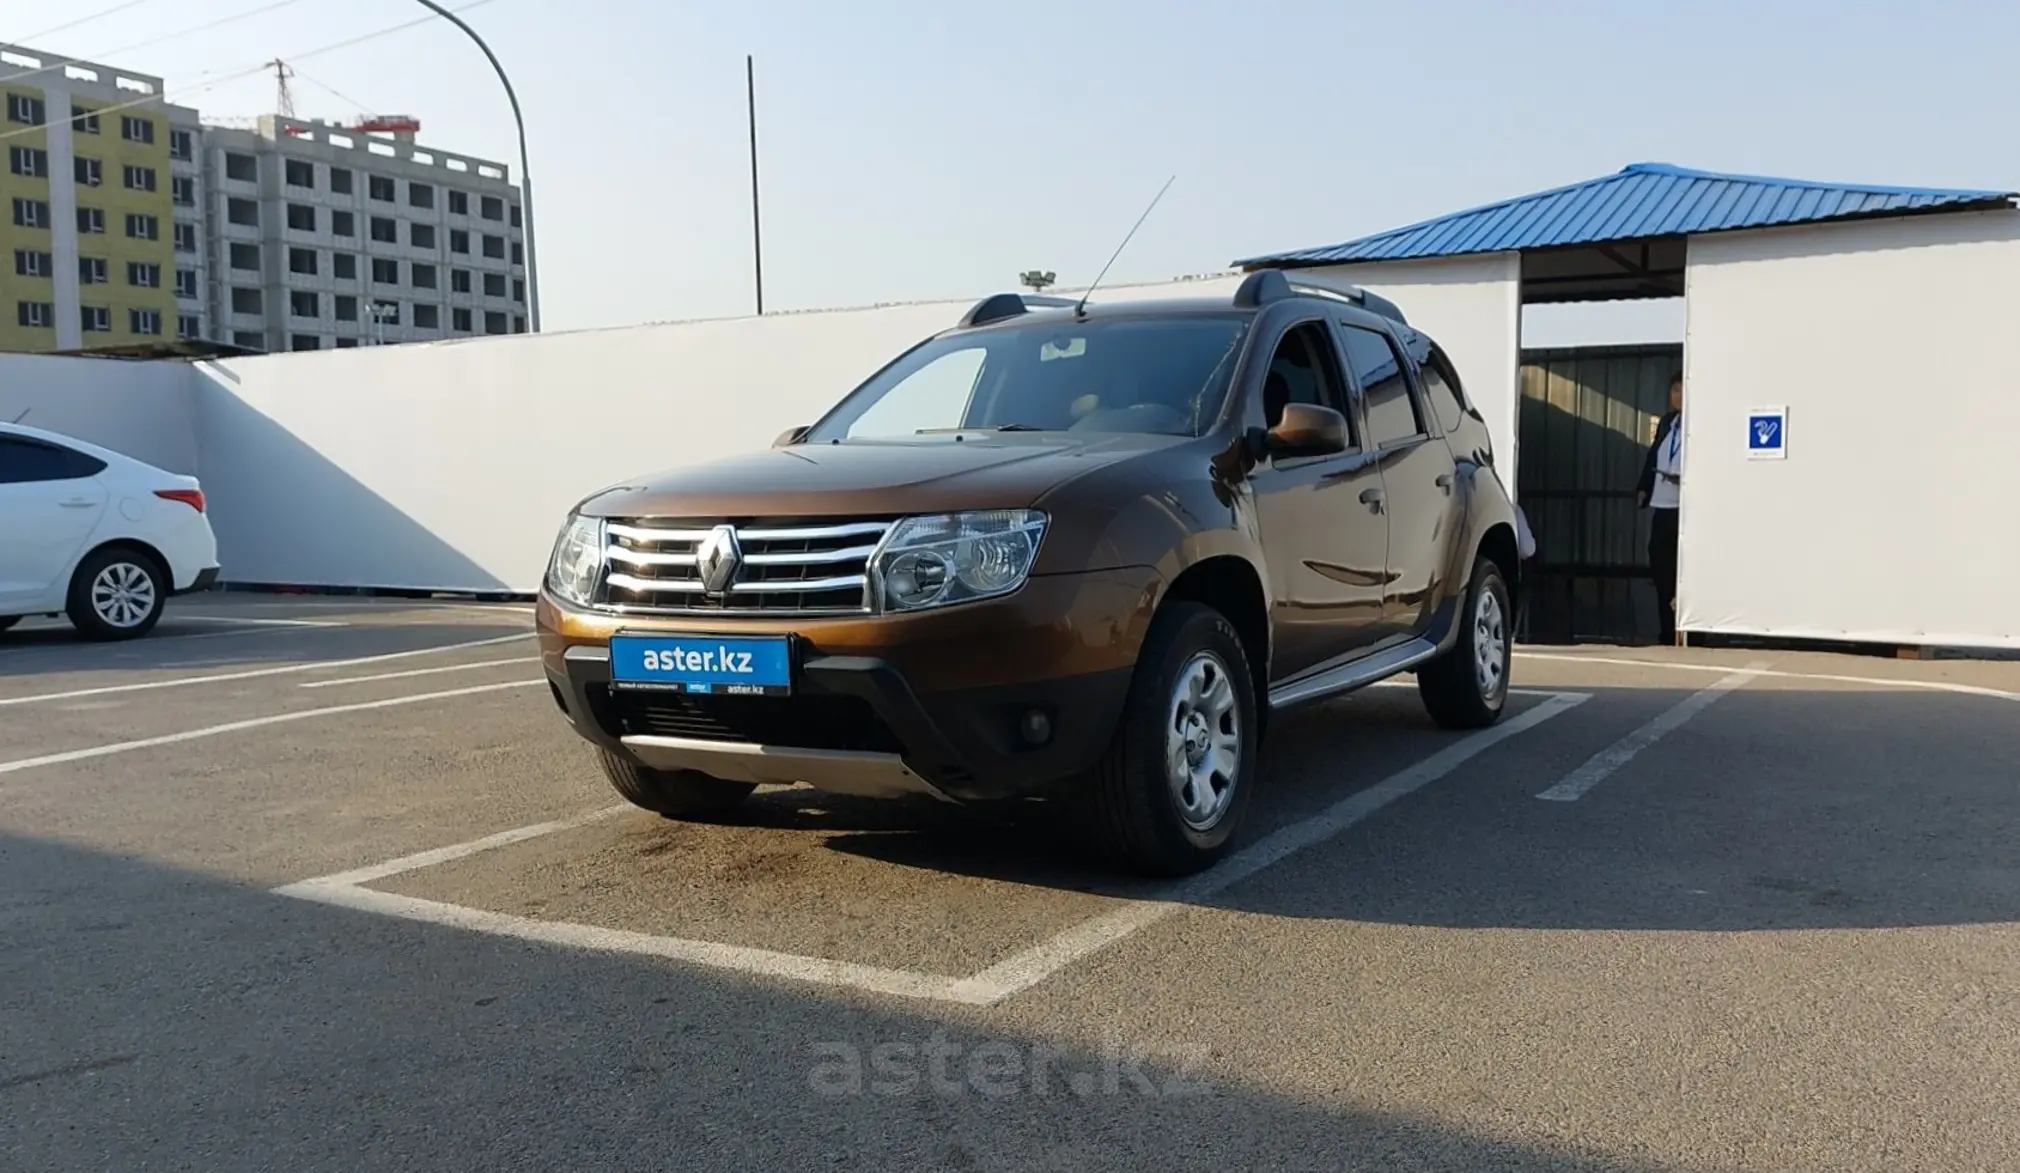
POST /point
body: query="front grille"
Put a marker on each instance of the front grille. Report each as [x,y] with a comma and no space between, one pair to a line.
[773,568]
[793,722]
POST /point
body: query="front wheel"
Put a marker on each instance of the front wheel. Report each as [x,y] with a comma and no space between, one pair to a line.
[117,594]
[1168,796]
[1467,687]
[677,794]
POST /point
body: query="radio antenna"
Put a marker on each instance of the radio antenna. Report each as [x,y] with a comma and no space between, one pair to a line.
[24,415]
[1080,310]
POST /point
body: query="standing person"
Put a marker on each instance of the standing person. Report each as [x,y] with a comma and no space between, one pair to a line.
[1661,490]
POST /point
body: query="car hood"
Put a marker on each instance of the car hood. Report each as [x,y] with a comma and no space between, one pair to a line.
[862,478]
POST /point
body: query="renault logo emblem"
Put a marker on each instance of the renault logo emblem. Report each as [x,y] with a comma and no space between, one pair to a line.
[716,559]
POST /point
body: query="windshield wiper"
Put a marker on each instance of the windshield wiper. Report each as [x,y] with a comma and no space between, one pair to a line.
[982,428]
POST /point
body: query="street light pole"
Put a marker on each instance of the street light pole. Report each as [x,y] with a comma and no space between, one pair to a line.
[525,166]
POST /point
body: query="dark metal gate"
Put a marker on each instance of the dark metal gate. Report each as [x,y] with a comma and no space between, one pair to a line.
[1588,415]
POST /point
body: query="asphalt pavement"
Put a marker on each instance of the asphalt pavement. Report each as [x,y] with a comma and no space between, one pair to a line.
[326,883]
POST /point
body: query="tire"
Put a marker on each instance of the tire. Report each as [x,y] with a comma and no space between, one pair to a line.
[116,594]
[1467,687]
[1166,800]
[677,794]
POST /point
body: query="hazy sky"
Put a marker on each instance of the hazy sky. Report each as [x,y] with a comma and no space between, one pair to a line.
[915,149]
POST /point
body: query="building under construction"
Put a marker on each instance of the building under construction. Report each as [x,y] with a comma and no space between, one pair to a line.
[134,225]
[324,235]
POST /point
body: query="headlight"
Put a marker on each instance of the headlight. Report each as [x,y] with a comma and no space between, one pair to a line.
[956,558]
[577,560]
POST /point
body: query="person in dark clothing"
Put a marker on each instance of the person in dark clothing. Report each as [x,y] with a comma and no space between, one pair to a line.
[1660,490]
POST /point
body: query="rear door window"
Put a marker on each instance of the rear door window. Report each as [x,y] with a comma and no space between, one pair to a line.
[1393,412]
[25,461]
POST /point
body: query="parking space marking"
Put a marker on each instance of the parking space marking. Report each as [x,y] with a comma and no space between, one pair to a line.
[254,673]
[1007,978]
[415,672]
[181,617]
[1881,681]
[1016,974]
[118,747]
[1577,783]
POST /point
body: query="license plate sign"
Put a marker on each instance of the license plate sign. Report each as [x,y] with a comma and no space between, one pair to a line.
[702,664]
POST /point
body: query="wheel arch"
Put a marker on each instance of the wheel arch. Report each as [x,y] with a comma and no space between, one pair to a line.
[1231,585]
[135,545]
[1499,546]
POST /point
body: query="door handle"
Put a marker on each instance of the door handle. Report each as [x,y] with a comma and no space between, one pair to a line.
[1445,481]
[79,503]
[1373,497]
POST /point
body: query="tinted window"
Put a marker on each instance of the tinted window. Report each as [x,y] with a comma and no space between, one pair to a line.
[22,461]
[1441,389]
[1392,410]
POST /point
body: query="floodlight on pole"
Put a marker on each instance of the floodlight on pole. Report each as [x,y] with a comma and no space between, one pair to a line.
[1038,280]
[525,165]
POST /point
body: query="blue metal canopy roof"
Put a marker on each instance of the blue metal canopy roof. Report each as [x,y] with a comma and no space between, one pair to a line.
[1641,201]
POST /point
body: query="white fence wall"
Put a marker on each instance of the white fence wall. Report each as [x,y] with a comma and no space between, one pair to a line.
[451,465]
[143,409]
[1895,348]
[1472,306]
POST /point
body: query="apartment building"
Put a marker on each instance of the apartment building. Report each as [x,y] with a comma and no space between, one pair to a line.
[98,166]
[323,236]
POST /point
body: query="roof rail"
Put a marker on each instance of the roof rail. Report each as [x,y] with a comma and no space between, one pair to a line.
[998,306]
[1261,287]
[1353,295]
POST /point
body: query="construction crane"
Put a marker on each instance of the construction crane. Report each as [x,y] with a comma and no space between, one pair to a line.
[282,72]
[393,124]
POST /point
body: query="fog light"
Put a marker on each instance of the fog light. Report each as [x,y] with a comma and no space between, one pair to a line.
[1036,727]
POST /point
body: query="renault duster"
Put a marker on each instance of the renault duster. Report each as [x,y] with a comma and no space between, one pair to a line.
[1067,552]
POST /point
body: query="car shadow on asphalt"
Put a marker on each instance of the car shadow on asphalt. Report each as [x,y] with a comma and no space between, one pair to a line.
[160,1018]
[1775,809]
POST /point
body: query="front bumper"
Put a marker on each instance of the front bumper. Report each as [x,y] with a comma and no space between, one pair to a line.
[936,703]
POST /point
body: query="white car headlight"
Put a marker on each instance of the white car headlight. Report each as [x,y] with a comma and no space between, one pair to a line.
[577,561]
[956,558]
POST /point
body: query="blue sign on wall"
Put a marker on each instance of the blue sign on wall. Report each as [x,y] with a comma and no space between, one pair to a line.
[1767,433]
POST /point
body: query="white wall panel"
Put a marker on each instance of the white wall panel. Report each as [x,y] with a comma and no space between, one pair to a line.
[451,465]
[1895,347]
[141,409]
[1472,306]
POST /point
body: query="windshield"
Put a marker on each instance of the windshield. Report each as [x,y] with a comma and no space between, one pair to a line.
[1162,376]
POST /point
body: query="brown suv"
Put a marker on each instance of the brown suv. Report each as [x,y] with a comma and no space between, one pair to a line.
[1063,551]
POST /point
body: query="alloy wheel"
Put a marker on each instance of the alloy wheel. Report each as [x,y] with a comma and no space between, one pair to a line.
[123,595]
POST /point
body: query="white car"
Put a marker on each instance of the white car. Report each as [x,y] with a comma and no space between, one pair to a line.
[97,536]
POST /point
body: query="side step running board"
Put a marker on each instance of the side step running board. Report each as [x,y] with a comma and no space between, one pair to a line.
[1348,677]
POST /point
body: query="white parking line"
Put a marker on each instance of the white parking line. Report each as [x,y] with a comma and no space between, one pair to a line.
[1573,786]
[1019,973]
[412,672]
[255,673]
[1005,979]
[181,617]
[1881,681]
[117,747]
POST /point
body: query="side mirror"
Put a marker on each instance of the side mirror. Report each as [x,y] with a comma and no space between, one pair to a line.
[790,436]
[1307,429]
